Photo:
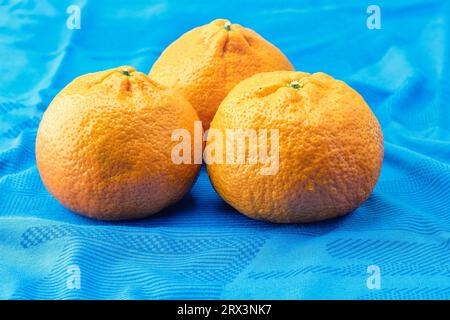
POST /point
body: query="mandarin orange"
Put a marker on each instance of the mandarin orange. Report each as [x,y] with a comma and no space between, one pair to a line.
[205,63]
[103,147]
[330,148]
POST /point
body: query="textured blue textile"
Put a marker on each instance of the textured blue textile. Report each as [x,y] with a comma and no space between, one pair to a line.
[202,248]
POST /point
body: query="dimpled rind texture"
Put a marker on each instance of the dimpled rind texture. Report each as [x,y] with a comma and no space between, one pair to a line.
[103,147]
[205,63]
[330,148]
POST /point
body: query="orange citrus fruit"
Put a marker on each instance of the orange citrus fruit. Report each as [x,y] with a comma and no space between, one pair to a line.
[103,147]
[330,147]
[205,63]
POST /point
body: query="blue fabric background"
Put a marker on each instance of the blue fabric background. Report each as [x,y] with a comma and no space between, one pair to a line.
[202,248]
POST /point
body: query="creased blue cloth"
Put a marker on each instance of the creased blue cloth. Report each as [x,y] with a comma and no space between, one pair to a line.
[201,247]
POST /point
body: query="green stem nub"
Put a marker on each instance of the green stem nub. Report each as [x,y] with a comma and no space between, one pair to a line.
[295,84]
[126,72]
[227,26]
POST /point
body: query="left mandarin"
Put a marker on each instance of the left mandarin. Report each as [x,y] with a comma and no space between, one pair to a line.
[103,147]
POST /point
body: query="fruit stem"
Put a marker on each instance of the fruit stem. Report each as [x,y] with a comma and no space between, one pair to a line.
[227,26]
[126,72]
[295,84]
